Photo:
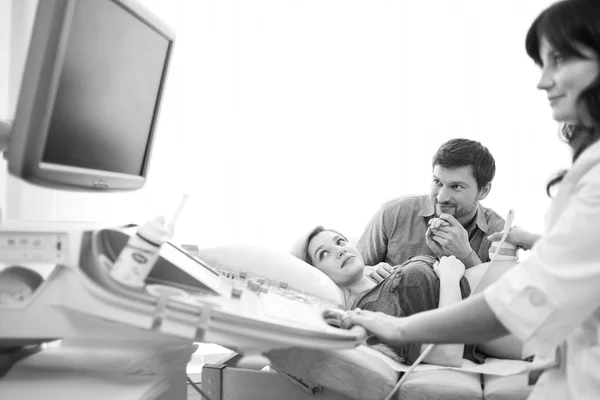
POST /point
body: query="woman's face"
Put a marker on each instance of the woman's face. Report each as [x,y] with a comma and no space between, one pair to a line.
[564,78]
[335,257]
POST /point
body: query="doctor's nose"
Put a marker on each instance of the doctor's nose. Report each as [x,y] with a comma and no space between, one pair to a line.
[546,81]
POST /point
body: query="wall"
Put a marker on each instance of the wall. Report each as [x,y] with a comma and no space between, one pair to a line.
[282,115]
[305,113]
[5,27]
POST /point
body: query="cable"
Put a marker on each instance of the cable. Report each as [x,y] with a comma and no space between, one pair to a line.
[412,367]
[197,388]
[506,229]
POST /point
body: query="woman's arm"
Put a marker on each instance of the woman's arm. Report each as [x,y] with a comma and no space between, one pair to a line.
[450,271]
[468,321]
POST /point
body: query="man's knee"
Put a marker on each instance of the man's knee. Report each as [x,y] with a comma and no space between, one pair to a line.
[419,274]
[420,289]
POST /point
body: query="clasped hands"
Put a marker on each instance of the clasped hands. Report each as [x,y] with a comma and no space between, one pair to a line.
[445,236]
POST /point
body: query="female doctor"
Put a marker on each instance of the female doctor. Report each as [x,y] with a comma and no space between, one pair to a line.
[552,299]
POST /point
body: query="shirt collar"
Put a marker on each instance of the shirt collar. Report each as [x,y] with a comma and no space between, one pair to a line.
[428,210]
[480,220]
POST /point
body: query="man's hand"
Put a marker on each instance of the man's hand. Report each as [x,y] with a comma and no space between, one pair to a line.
[435,224]
[451,237]
[380,272]
[433,245]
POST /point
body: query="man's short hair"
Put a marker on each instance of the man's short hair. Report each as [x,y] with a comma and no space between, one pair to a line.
[464,152]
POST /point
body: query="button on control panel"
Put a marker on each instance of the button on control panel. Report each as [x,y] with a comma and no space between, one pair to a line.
[244,281]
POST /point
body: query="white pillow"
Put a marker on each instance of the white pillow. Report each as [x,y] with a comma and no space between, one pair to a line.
[279,266]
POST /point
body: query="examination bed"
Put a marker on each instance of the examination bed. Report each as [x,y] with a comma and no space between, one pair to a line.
[360,372]
[256,302]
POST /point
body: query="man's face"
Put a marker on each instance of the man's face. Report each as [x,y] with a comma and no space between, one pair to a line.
[455,192]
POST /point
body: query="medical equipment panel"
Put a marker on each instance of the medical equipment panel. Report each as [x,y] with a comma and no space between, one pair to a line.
[183,298]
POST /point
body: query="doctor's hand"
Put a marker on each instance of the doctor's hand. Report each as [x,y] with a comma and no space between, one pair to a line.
[517,236]
[380,272]
[385,327]
[452,238]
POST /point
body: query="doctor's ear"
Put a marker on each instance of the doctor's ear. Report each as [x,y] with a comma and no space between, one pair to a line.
[484,191]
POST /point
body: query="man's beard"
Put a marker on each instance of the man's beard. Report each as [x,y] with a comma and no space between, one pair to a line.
[457,212]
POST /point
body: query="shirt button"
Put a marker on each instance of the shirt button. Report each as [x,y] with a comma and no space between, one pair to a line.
[537,298]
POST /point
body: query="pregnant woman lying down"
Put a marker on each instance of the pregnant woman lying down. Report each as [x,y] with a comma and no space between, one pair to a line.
[422,283]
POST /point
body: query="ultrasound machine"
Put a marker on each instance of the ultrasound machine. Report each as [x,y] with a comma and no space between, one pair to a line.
[85,120]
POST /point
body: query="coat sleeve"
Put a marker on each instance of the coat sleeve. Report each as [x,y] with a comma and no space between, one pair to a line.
[557,288]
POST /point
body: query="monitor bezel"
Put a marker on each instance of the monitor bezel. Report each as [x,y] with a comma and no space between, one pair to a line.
[39,86]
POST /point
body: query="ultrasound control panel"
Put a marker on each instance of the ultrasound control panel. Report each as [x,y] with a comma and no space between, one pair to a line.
[273,301]
[183,297]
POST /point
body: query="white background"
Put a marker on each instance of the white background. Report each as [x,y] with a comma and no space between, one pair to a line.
[281,115]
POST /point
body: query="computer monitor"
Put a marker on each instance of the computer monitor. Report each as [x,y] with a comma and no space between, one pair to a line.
[90,95]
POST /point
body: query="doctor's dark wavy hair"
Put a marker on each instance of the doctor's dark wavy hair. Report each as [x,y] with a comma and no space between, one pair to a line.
[565,25]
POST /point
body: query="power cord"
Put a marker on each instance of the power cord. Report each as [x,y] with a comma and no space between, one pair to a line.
[197,388]
[412,367]
[507,226]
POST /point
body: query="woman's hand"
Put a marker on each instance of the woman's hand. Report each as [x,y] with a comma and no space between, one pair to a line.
[449,268]
[517,236]
[385,327]
[434,225]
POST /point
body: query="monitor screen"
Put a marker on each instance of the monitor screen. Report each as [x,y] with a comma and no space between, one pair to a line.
[107,92]
[90,96]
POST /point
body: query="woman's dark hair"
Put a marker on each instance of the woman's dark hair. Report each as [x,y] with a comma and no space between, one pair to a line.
[567,24]
[464,152]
